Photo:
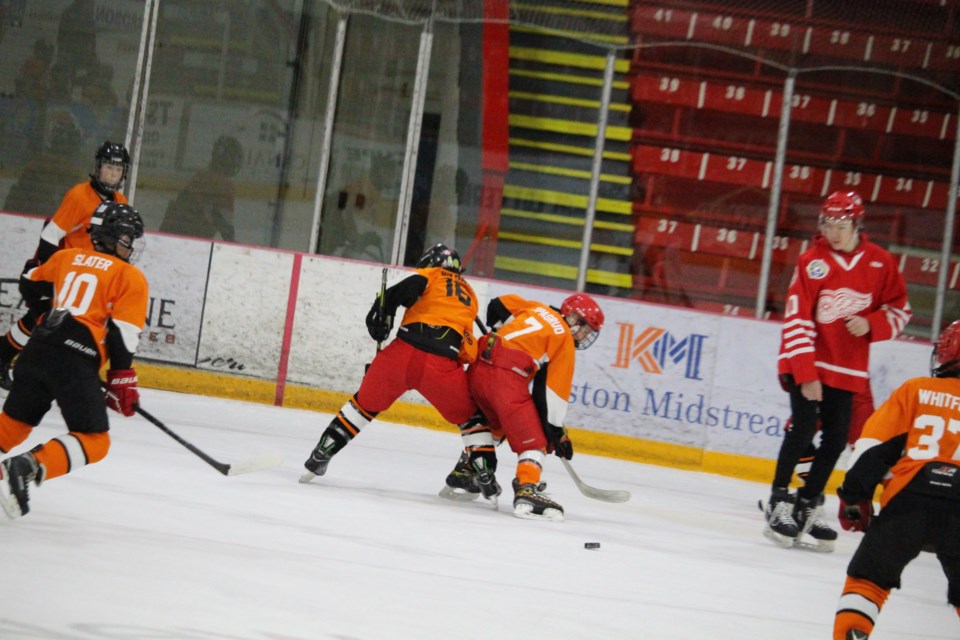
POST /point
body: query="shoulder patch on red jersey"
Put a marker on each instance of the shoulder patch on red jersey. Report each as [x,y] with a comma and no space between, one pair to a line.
[818,269]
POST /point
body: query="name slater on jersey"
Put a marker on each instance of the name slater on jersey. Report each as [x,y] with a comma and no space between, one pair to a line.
[94,262]
[550,319]
[939,399]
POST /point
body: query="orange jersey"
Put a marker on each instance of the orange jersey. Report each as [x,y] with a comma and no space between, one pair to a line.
[543,334]
[927,410]
[69,224]
[96,287]
[447,301]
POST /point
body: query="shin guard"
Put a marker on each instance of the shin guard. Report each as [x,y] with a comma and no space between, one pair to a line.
[12,432]
[859,607]
[68,452]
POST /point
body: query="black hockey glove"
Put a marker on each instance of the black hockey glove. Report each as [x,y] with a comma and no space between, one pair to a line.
[560,441]
[378,324]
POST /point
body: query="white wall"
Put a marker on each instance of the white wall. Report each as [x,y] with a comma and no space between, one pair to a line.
[656,372]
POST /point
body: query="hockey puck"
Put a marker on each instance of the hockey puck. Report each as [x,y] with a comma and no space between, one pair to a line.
[591,545]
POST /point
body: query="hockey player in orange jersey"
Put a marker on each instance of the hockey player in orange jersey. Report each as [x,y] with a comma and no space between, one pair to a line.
[434,341]
[534,343]
[910,445]
[68,229]
[100,309]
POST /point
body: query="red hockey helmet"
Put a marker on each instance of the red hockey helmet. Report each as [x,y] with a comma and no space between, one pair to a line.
[945,361]
[585,318]
[843,205]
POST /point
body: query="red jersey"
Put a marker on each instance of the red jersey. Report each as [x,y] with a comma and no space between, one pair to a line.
[543,334]
[827,287]
[96,287]
[72,218]
[927,411]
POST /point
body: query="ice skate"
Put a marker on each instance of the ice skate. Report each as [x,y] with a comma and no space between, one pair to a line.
[316,464]
[16,474]
[461,483]
[814,534]
[781,528]
[530,503]
[487,481]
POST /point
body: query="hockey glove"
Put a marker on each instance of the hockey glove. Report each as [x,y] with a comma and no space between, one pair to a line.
[562,446]
[122,394]
[378,324]
[32,263]
[855,516]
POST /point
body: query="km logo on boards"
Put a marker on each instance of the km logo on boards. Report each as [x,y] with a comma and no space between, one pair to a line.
[654,349]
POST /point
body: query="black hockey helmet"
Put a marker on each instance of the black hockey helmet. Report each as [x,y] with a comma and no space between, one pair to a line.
[114,225]
[440,255]
[113,153]
[227,156]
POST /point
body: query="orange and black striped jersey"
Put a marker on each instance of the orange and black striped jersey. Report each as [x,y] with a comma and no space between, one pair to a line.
[95,288]
[447,300]
[544,335]
[72,218]
[925,412]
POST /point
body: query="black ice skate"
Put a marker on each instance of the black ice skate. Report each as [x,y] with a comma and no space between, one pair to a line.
[814,534]
[16,474]
[316,464]
[781,528]
[486,480]
[529,502]
[461,482]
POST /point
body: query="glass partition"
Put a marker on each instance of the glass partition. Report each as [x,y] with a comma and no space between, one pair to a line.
[240,141]
[369,139]
[235,94]
[66,81]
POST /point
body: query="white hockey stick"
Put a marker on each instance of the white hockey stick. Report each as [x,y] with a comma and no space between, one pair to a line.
[604,495]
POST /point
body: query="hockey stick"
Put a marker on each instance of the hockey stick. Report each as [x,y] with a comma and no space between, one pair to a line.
[382,298]
[266,461]
[604,495]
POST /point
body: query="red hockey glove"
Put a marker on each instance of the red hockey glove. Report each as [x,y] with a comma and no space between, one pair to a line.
[122,394]
[855,516]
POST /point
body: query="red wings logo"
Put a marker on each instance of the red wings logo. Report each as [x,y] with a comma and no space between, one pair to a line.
[833,305]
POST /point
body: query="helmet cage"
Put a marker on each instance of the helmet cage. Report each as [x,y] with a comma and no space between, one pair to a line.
[114,225]
[111,153]
[584,317]
[840,207]
[440,255]
[945,359]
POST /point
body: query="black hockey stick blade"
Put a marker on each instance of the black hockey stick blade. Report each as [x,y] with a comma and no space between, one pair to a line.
[604,495]
[260,463]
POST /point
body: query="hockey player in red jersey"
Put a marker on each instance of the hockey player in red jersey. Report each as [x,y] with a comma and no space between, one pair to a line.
[846,293]
[911,446]
[861,408]
[534,343]
[100,309]
[434,341]
[68,230]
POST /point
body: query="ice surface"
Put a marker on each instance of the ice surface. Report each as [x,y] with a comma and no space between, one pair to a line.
[153,543]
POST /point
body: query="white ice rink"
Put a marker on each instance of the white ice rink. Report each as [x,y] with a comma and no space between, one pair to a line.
[152,543]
